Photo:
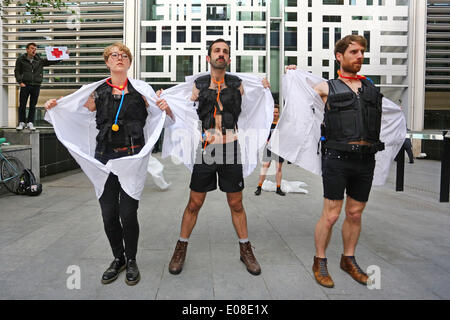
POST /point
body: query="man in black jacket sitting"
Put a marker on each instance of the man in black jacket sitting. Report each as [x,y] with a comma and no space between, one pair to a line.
[29,72]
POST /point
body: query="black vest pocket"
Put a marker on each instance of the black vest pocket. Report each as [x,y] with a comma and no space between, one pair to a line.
[135,130]
[348,122]
[341,100]
[373,121]
[227,120]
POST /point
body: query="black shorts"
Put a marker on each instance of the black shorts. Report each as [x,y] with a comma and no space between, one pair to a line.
[269,156]
[352,172]
[223,160]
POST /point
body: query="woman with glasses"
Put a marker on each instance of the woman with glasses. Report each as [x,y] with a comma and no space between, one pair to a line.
[122,119]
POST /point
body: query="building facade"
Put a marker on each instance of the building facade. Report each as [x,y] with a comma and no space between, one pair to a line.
[85,27]
[267,35]
[437,72]
[169,40]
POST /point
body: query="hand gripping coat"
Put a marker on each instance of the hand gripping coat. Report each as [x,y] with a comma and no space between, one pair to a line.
[297,135]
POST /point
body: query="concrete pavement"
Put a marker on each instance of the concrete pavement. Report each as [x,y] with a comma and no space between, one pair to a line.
[405,234]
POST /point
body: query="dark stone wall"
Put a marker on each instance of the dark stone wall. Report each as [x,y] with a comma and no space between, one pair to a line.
[54,157]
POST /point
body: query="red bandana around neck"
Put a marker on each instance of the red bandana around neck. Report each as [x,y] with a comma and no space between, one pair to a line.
[358,77]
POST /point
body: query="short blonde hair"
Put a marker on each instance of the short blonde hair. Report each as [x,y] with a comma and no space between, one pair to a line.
[121,47]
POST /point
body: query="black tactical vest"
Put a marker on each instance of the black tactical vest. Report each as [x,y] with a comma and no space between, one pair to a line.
[231,101]
[353,117]
[131,120]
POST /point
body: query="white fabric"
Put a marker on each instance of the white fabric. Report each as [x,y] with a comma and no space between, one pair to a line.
[298,134]
[49,51]
[286,186]
[155,168]
[182,139]
[75,127]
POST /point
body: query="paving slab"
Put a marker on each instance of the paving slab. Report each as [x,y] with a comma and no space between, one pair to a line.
[404,234]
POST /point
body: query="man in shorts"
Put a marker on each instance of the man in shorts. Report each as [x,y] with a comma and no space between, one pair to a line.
[219,97]
[352,122]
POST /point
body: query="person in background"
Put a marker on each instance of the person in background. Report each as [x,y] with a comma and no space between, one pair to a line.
[29,73]
[268,156]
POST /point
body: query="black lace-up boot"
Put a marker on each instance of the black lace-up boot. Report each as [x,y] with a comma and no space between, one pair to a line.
[116,267]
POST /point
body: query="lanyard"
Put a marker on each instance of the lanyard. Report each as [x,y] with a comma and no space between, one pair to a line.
[206,136]
[115,126]
[218,84]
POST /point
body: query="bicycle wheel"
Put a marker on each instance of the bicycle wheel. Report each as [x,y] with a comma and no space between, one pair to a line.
[11,169]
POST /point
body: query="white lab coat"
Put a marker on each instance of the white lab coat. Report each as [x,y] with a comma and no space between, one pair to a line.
[297,135]
[75,127]
[182,139]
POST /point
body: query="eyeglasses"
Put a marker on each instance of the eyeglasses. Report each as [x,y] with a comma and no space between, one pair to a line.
[116,56]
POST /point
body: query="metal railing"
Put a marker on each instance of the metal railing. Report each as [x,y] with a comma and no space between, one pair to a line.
[439,135]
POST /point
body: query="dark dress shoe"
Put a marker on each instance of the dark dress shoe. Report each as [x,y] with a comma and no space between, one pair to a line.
[116,267]
[132,276]
[258,191]
[281,193]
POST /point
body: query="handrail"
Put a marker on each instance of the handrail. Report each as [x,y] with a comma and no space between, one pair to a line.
[437,135]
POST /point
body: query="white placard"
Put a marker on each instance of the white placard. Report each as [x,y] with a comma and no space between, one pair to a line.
[56,53]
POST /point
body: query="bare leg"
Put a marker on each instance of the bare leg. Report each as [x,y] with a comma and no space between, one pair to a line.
[238,215]
[190,215]
[351,228]
[278,174]
[323,231]
[262,176]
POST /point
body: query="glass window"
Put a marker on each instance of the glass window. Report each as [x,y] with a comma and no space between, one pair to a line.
[153,10]
[181,34]
[333,2]
[154,63]
[244,64]
[290,39]
[184,67]
[326,38]
[217,12]
[254,41]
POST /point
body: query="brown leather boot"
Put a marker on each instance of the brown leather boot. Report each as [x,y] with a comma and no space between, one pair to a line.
[249,259]
[320,271]
[349,265]
[177,261]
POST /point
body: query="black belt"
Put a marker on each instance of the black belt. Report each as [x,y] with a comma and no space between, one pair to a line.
[356,148]
[126,148]
[346,155]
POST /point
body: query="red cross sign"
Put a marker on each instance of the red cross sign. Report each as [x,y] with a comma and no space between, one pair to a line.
[57,53]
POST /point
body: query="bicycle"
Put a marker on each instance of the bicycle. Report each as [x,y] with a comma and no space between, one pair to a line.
[11,169]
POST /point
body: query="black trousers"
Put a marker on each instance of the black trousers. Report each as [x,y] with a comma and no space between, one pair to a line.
[119,212]
[408,148]
[33,93]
